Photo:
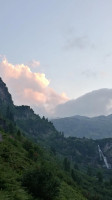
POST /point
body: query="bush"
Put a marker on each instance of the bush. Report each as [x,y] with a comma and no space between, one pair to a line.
[41,183]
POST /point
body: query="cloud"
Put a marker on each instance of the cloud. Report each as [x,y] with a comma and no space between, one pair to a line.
[30,88]
[95,103]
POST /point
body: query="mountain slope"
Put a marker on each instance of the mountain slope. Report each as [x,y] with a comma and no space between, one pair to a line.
[64,168]
[20,162]
[77,126]
[29,172]
[23,116]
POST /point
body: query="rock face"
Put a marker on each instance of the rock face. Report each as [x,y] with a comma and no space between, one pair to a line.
[106,146]
[24,112]
[3,124]
[7,106]
[5,96]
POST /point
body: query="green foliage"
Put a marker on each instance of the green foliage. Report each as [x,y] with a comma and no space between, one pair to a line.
[89,171]
[11,128]
[76,166]
[66,164]
[19,134]
[26,177]
[99,176]
[68,192]
[75,176]
[42,182]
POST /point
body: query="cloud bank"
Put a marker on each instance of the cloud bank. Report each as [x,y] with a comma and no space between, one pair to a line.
[29,88]
[95,103]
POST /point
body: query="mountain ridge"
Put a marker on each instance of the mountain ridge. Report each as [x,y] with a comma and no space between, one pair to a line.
[80,126]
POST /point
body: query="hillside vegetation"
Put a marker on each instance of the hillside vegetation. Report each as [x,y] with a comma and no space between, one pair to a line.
[27,171]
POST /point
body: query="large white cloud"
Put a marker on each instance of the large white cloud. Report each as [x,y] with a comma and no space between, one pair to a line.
[29,88]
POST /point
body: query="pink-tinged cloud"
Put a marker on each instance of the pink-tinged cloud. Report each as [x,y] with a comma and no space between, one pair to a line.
[29,88]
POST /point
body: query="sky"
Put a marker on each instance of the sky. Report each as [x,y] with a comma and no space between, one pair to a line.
[52,51]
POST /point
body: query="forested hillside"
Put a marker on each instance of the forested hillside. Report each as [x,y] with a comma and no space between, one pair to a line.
[80,126]
[38,163]
[29,171]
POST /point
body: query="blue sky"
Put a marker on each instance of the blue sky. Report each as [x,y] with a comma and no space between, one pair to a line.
[72,40]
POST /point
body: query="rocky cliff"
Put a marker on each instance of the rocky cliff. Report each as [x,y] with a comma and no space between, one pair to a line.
[5,96]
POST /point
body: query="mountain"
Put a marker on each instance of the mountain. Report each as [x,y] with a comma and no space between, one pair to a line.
[49,165]
[29,171]
[32,124]
[95,103]
[80,126]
